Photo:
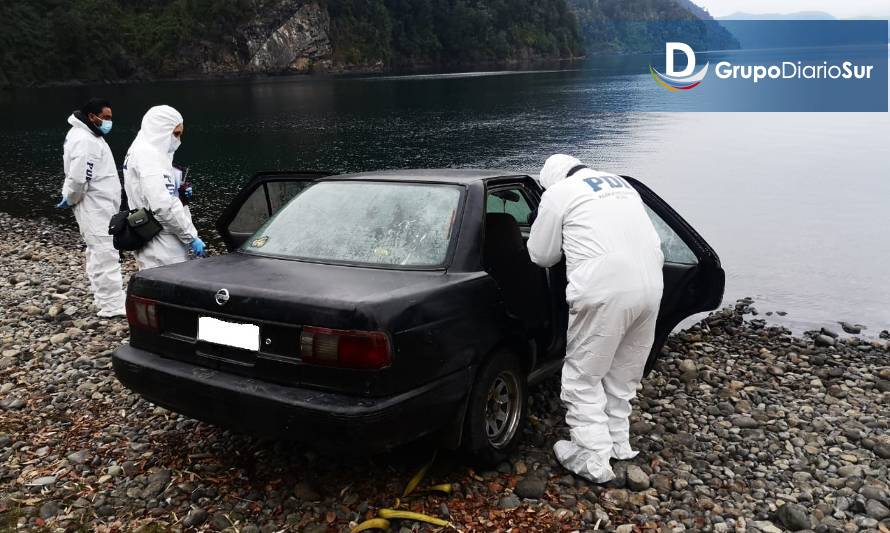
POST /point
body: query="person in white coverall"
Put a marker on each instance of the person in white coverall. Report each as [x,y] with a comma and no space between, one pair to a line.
[151,182]
[613,262]
[92,188]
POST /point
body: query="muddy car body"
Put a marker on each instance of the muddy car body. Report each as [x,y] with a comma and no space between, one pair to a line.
[391,319]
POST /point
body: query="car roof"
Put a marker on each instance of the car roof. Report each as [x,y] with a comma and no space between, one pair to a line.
[440,175]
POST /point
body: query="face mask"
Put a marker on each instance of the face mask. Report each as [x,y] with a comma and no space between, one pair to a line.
[174,144]
[105,127]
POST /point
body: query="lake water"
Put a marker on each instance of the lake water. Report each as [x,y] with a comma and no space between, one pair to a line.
[795,204]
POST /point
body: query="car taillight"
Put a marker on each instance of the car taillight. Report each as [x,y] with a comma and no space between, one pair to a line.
[348,349]
[142,313]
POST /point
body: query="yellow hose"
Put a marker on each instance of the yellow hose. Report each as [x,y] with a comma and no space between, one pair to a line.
[382,522]
[444,488]
[374,523]
[392,514]
[418,477]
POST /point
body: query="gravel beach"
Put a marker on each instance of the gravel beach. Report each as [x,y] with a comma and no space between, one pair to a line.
[741,427]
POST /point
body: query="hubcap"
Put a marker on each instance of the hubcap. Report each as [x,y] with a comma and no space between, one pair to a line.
[503,408]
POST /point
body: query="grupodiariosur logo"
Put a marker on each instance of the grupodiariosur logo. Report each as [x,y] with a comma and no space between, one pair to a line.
[682,80]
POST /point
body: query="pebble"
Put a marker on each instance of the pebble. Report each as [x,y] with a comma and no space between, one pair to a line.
[48,510]
[766,526]
[853,329]
[306,492]
[745,422]
[510,501]
[220,521]
[876,510]
[79,457]
[42,481]
[157,482]
[530,487]
[637,480]
[195,518]
[825,340]
[794,517]
[129,468]
[849,471]
[882,450]
[829,333]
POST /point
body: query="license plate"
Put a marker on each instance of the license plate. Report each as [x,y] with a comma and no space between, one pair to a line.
[234,334]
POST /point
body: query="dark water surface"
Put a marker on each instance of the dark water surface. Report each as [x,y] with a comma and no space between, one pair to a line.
[797,205]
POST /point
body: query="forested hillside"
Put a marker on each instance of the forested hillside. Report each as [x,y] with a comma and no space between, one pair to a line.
[442,32]
[609,26]
[49,41]
[58,40]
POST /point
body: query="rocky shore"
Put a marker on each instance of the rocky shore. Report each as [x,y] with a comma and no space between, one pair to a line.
[741,427]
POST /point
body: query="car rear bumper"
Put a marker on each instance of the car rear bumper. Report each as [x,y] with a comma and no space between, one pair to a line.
[349,423]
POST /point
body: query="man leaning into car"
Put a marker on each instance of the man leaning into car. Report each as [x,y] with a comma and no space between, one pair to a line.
[614,266]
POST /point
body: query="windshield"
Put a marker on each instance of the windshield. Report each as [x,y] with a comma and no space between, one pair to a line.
[378,223]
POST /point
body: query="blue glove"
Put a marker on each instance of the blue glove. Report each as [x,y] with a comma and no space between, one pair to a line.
[63,204]
[188,193]
[197,247]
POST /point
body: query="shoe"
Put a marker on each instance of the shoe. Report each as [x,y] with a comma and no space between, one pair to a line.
[112,313]
[583,462]
[622,451]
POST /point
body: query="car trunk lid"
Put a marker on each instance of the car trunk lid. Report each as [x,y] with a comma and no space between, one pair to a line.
[280,298]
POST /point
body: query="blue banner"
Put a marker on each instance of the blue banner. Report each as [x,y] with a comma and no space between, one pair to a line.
[812,66]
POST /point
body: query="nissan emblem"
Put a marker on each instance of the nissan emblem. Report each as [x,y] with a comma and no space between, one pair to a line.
[222,296]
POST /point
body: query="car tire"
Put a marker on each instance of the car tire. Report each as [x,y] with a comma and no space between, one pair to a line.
[496,410]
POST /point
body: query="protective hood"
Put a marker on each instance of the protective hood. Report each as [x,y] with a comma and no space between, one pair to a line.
[555,169]
[157,128]
[78,120]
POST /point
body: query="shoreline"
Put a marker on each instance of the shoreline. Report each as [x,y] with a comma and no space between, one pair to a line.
[741,427]
[795,321]
[342,71]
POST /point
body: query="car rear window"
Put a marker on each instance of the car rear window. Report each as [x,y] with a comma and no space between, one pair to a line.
[375,223]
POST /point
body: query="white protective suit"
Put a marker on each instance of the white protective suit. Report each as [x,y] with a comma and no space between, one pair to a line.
[93,190]
[151,182]
[613,262]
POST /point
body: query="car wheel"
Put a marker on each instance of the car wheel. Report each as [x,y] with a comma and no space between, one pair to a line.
[496,410]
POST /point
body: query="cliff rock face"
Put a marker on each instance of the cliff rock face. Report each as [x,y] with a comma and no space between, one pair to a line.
[296,45]
[283,36]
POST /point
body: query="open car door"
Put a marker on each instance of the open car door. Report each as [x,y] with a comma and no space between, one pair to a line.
[263,196]
[693,278]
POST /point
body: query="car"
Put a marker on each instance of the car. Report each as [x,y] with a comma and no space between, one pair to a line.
[359,312]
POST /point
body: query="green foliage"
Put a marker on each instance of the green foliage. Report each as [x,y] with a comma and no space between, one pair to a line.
[360,31]
[60,40]
[443,32]
[610,26]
